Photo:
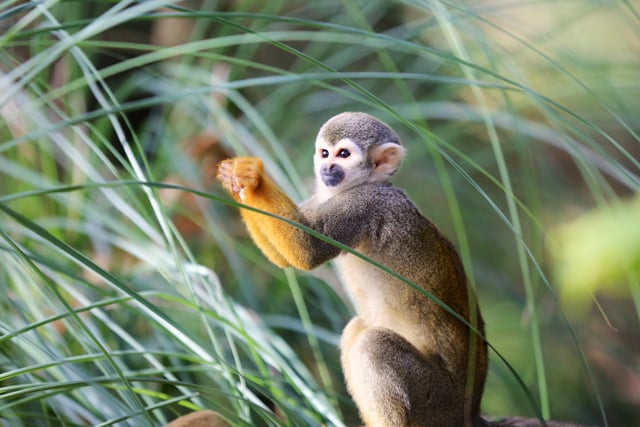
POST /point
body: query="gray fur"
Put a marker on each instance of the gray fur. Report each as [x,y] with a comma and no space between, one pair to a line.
[361,128]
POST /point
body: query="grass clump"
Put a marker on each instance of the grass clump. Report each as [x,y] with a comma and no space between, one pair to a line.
[129,292]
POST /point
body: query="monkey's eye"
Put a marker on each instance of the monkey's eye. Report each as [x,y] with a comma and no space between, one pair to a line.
[324,153]
[344,153]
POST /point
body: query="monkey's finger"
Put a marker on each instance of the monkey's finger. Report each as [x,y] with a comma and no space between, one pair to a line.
[225,169]
[226,176]
[242,183]
[246,173]
[240,174]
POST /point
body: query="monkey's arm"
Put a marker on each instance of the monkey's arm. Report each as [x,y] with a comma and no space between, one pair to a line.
[251,220]
[283,244]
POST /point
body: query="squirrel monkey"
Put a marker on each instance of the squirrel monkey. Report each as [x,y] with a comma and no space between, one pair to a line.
[406,361]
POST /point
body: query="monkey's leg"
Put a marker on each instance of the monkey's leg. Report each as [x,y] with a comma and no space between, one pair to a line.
[393,384]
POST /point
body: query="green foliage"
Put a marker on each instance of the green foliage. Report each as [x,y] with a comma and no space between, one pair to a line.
[599,252]
[129,292]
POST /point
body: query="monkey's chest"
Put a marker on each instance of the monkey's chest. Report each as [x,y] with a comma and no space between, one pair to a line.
[378,297]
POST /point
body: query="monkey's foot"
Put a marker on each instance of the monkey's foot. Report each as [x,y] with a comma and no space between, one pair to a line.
[203,418]
[240,174]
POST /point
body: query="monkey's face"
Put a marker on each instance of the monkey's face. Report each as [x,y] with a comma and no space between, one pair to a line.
[338,164]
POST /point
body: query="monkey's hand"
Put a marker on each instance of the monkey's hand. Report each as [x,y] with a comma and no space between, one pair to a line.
[284,244]
[240,175]
[245,179]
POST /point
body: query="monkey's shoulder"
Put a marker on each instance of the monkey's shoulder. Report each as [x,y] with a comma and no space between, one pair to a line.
[372,208]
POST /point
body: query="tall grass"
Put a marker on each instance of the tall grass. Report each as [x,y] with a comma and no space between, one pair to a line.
[130,293]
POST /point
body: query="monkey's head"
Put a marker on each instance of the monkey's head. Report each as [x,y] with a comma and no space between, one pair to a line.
[354,148]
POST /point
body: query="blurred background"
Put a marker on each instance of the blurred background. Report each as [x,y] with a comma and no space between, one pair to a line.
[129,290]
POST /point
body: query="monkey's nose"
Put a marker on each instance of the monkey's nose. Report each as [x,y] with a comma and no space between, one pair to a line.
[332,175]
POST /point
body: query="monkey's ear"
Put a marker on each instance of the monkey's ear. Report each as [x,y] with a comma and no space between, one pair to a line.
[386,159]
